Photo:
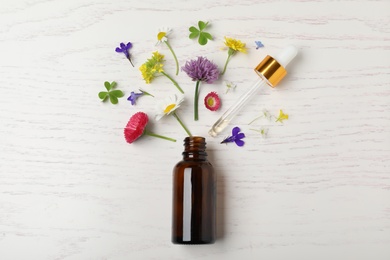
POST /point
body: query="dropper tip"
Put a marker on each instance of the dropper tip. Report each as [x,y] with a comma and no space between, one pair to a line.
[212,133]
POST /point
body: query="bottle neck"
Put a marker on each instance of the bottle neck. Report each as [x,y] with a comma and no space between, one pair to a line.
[194,148]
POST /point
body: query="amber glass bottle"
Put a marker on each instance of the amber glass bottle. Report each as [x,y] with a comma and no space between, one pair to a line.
[194,195]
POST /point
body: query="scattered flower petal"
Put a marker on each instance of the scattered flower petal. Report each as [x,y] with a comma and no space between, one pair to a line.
[212,101]
[236,137]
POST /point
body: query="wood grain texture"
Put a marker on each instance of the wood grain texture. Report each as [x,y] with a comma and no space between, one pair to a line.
[318,187]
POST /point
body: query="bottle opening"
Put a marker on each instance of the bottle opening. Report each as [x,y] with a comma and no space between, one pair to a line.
[194,147]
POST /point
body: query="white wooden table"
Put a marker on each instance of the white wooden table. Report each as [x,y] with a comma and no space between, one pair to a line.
[318,187]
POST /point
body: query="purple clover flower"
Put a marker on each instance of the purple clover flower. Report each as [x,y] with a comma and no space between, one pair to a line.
[236,137]
[124,48]
[201,70]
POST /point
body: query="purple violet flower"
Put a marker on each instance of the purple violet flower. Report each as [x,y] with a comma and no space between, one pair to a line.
[124,48]
[199,70]
[134,96]
[236,137]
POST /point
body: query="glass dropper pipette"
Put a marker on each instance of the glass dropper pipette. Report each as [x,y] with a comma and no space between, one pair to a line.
[271,72]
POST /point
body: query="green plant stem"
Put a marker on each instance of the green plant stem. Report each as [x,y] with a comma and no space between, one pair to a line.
[255,119]
[173,81]
[174,56]
[131,62]
[146,132]
[196,100]
[146,93]
[181,123]
[226,63]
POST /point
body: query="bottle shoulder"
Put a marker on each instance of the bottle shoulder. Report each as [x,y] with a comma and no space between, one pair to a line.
[193,164]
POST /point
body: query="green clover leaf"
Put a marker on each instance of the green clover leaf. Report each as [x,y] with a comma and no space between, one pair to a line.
[111,94]
[202,36]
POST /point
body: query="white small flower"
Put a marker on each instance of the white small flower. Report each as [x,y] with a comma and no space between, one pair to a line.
[168,105]
[162,35]
[267,114]
[263,131]
[229,86]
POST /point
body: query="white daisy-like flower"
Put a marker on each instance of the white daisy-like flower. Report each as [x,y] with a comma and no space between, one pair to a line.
[162,35]
[168,105]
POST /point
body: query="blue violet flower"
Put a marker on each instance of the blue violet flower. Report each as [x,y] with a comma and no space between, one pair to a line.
[236,137]
[258,44]
[134,96]
[124,48]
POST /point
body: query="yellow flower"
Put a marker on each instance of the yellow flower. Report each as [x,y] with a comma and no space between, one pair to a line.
[157,57]
[152,66]
[147,74]
[282,116]
[235,45]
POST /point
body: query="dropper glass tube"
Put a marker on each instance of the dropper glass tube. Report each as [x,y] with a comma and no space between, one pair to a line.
[225,119]
[271,72]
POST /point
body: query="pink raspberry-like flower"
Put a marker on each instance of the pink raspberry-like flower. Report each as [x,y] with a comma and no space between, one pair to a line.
[135,127]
